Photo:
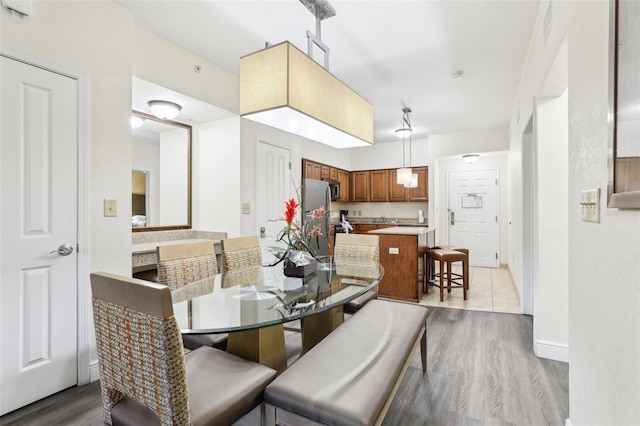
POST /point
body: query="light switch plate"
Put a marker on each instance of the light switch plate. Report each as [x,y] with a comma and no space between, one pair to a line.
[590,203]
[246,208]
[110,208]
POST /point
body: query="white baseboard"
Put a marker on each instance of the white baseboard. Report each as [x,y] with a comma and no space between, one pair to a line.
[94,371]
[552,350]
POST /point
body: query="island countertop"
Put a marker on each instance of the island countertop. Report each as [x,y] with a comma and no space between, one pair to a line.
[403,230]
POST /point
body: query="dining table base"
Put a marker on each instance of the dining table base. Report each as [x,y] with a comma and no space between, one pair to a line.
[263,345]
[318,326]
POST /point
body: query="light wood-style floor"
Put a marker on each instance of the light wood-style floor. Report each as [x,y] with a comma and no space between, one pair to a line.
[490,290]
[481,370]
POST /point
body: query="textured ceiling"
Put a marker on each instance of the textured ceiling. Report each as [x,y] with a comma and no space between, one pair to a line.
[393,53]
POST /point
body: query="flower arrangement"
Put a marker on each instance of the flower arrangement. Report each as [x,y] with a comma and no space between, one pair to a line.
[297,237]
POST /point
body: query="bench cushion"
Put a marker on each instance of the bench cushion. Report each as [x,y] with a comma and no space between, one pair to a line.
[347,378]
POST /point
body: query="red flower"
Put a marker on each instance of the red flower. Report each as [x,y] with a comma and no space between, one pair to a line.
[290,213]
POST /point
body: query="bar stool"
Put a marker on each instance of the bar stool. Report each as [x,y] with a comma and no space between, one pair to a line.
[466,263]
[447,257]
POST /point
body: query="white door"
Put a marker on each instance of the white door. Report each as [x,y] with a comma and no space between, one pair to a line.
[273,189]
[473,215]
[38,289]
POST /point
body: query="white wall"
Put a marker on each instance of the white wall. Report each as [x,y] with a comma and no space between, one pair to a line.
[216,177]
[603,325]
[299,148]
[173,177]
[552,283]
[454,145]
[604,295]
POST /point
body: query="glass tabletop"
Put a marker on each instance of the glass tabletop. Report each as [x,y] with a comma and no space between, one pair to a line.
[262,296]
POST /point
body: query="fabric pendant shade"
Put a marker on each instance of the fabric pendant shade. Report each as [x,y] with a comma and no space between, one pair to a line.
[282,87]
[403,176]
[413,181]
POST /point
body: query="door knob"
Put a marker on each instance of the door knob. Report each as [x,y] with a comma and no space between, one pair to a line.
[63,250]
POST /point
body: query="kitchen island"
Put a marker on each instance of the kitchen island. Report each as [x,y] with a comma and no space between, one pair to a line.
[402,263]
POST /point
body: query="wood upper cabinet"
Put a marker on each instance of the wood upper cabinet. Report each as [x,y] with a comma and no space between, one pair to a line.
[421,192]
[325,171]
[360,186]
[311,170]
[345,185]
[397,192]
[379,185]
[333,173]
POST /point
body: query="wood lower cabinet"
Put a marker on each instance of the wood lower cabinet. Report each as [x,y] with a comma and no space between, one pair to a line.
[399,257]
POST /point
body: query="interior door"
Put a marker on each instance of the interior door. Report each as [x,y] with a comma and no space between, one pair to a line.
[273,189]
[38,261]
[473,215]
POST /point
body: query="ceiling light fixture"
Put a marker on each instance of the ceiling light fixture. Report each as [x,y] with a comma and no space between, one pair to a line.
[136,121]
[404,174]
[283,87]
[164,109]
[471,158]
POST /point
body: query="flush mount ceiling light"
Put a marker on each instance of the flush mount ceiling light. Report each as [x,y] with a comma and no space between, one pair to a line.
[283,87]
[404,174]
[136,121]
[164,109]
[471,158]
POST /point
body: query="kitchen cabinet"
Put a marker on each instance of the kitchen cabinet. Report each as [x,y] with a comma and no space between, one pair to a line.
[421,192]
[345,185]
[325,171]
[360,186]
[379,185]
[333,173]
[311,170]
[397,192]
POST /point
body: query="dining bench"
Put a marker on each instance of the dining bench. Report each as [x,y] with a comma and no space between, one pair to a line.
[352,375]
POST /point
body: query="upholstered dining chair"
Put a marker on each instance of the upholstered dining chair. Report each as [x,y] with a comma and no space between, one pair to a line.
[146,378]
[361,249]
[180,264]
[241,253]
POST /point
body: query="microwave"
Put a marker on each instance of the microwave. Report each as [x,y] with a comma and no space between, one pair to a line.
[334,188]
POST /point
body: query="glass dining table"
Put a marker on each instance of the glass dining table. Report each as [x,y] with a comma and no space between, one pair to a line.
[254,303]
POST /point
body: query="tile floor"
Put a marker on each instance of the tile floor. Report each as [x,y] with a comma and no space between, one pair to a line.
[490,290]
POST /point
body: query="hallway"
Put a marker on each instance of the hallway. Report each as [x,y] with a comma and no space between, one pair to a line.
[490,290]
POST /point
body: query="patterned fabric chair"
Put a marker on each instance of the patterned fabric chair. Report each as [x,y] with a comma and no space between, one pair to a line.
[241,253]
[361,249]
[180,264]
[145,377]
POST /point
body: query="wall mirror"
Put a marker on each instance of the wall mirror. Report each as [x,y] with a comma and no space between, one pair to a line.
[161,175]
[624,105]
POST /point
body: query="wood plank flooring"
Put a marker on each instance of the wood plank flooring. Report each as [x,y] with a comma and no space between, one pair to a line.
[481,371]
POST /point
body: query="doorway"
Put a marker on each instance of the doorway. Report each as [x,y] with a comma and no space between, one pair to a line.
[529,207]
[472,208]
[44,349]
[273,172]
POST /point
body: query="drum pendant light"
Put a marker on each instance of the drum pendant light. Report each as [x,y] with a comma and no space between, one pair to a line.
[404,174]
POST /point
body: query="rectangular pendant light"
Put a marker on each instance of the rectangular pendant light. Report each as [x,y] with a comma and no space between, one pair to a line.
[284,88]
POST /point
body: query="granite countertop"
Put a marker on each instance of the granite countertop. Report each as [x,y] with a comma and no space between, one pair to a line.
[376,221]
[403,230]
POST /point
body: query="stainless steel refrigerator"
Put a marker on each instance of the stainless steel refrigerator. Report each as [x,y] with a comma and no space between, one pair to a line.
[316,194]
